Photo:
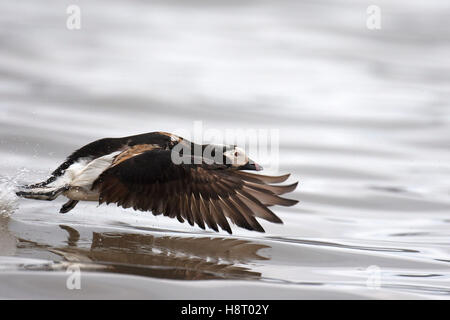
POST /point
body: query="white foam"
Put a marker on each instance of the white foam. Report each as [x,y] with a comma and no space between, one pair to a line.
[9,202]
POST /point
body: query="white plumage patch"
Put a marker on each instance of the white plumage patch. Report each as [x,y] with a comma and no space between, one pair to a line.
[80,176]
[87,175]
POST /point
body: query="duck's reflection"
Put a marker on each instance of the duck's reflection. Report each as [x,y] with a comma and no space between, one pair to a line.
[191,258]
[7,240]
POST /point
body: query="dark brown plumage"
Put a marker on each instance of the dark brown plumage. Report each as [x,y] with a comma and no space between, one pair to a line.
[201,194]
[141,174]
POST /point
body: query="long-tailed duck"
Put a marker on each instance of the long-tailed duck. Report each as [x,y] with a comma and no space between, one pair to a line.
[144,172]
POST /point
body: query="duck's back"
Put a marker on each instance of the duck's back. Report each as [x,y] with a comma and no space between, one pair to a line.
[108,146]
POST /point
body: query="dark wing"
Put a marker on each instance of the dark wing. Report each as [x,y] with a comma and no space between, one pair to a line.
[199,193]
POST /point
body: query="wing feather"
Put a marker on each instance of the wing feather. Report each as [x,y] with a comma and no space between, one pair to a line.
[202,194]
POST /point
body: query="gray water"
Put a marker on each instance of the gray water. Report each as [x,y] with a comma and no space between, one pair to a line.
[364,124]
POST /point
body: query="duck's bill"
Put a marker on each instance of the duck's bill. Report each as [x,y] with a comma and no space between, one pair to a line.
[251,166]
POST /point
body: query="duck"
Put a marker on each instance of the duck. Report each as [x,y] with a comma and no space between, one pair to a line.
[162,173]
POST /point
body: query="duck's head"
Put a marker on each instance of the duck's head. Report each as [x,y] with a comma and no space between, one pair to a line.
[229,155]
[237,158]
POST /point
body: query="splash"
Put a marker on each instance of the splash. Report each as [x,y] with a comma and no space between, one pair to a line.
[8,198]
[9,202]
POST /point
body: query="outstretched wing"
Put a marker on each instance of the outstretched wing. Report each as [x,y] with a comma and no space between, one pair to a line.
[199,193]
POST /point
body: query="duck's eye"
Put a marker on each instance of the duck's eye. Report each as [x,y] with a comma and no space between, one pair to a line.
[236,154]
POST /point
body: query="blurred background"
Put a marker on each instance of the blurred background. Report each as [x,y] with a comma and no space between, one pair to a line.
[363,118]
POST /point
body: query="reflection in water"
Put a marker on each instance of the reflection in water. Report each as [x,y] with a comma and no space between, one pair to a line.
[7,240]
[74,235]
[339,245]
[161,257]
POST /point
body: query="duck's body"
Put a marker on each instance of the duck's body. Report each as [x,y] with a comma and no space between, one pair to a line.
[166,174]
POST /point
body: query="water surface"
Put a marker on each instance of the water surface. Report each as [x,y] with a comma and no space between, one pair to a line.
[364,125]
